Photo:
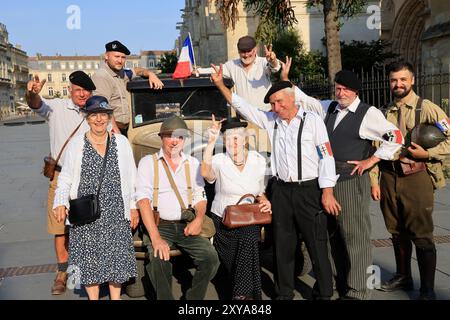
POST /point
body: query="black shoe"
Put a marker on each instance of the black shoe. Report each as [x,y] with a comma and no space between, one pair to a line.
[398,282]
[427,295]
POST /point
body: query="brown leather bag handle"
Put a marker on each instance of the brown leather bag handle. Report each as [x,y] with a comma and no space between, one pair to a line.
[248,195]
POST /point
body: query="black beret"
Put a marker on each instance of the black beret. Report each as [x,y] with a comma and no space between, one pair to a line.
[348,79]
[246,43]
[117,46]
[82,79]
[275,88]
[232,123]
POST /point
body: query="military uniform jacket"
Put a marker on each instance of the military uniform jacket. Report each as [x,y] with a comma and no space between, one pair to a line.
[430,114]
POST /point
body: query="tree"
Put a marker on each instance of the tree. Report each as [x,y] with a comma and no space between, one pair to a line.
[168,62]
[359,55]
[333,10]
[288,43]
[277,15]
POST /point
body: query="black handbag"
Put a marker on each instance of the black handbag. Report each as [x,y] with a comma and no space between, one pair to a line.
[86,209]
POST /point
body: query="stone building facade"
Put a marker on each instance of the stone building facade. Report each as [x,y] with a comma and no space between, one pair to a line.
[13,74]
[213,44]
[419,31]
[56,69]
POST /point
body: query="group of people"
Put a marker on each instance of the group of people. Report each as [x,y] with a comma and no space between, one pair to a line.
[320,185]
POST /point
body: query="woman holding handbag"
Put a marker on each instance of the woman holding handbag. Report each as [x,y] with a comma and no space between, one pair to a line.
[236,172]
[99,166]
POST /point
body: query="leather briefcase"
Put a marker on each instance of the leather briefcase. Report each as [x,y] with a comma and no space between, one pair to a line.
[241,215]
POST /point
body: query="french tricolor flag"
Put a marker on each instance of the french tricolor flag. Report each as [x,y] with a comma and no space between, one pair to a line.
[185,61]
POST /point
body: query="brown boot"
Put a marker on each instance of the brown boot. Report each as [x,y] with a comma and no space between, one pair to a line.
[59,286]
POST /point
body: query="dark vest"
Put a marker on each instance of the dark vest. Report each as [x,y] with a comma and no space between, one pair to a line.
[345,141]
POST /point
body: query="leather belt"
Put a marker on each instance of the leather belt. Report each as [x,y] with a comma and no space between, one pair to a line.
[297,183]
[162,221]
[391,166]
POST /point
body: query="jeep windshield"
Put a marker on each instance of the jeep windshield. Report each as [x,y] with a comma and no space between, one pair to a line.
[194,98]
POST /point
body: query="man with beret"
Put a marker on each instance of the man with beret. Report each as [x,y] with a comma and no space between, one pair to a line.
[352,127]
[407,199]
[111,82]
[155,193]
[64,118]
[250,73]
[302,192]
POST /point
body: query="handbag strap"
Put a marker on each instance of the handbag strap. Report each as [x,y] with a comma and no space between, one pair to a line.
[248,195]
[67,141]
[172,184]
[102,174]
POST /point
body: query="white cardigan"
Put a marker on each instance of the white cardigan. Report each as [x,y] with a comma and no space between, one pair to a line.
[69,177]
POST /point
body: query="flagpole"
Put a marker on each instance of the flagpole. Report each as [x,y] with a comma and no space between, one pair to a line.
[193,55]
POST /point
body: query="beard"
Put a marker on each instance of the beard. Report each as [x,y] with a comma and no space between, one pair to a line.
[401,95]
[247,61]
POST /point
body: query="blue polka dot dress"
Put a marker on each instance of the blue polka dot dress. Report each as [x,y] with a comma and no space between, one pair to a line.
[102,250]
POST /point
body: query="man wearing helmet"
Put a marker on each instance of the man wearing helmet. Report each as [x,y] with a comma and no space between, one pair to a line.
[407,197]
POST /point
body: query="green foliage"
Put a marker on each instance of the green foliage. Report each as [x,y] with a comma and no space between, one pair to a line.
[360,54]
[288,43]
[168,62]
[280,12]
[345,8]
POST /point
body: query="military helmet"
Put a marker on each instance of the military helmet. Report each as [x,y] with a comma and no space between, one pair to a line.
[427,135]
[174,125]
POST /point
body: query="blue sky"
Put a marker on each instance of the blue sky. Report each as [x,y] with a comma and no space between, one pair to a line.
[41,26]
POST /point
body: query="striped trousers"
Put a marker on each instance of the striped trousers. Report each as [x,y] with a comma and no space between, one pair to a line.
[351,247]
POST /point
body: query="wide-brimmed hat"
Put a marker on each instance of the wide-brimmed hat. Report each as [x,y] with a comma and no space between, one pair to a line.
[233,123]
[97,104]
[174,125]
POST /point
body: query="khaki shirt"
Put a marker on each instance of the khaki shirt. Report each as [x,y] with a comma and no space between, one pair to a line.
[113,87]
[431,114]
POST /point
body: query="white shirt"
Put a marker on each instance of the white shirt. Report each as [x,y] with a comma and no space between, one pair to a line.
[168,206]
[253,84]
[69,178]
[232,184]
[63,117]
[373,126]
[284,159]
